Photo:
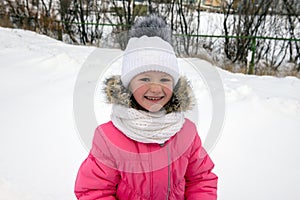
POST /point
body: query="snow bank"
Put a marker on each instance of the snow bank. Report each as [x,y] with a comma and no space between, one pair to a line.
[256,157]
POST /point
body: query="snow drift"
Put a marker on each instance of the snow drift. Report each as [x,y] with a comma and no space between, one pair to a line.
[256,157]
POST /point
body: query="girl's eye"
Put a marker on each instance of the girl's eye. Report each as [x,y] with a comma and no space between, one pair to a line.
[165,80]
[145,79]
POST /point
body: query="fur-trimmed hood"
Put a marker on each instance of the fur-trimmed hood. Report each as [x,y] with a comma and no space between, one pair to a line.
[182,99]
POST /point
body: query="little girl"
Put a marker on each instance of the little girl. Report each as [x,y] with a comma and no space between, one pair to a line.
[148,151]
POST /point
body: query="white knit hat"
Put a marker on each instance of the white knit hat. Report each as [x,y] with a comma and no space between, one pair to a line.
[148,54]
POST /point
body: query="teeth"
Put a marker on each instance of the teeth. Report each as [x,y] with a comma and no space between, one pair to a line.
[153,98]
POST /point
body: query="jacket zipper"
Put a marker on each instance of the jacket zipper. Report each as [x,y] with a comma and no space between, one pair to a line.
[151,173]
[169,172]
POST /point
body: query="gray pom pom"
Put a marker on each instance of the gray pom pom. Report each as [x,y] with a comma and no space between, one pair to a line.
[151,26]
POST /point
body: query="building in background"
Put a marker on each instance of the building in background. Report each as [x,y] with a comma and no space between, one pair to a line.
[214,3]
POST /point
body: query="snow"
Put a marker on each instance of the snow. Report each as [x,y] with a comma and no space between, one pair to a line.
[256,155]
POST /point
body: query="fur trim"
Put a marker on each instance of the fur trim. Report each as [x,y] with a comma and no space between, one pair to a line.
[182,99]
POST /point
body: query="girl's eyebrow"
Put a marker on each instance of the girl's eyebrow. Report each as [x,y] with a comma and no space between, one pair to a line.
[165,75]
[145,75]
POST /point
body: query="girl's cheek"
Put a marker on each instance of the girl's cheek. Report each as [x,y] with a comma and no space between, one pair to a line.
[139,89]
[136,85]
[168,88]
[168,85]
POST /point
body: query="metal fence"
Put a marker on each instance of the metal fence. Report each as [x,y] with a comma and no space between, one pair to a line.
[253,46]
[253,39]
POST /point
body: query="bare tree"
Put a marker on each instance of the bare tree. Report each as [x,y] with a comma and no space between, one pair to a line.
[83,20]
[243,20]
[183,23]
[257,25]
[67,19]
[281,25]
[292,8]
[36,15]
[4,15]
[126,12]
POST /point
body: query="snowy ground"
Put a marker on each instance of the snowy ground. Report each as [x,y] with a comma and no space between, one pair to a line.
[256,156]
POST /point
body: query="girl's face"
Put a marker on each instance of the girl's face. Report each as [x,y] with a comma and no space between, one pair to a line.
[152,90]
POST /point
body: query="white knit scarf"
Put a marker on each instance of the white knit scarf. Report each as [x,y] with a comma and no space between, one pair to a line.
[147,127]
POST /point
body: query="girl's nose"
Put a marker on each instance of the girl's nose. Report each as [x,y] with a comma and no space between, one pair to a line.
[155,88]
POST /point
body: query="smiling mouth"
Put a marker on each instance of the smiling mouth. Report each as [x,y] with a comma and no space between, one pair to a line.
[154,98]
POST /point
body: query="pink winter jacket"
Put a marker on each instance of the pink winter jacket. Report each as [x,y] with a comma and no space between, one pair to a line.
[120,168]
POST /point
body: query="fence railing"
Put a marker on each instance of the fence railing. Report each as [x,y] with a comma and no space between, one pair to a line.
[253,39]
[253,43]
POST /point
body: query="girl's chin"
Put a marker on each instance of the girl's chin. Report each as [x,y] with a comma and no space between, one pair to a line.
[154,108]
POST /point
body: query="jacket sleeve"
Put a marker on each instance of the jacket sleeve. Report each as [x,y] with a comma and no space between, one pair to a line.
[201,183]
[96,181]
